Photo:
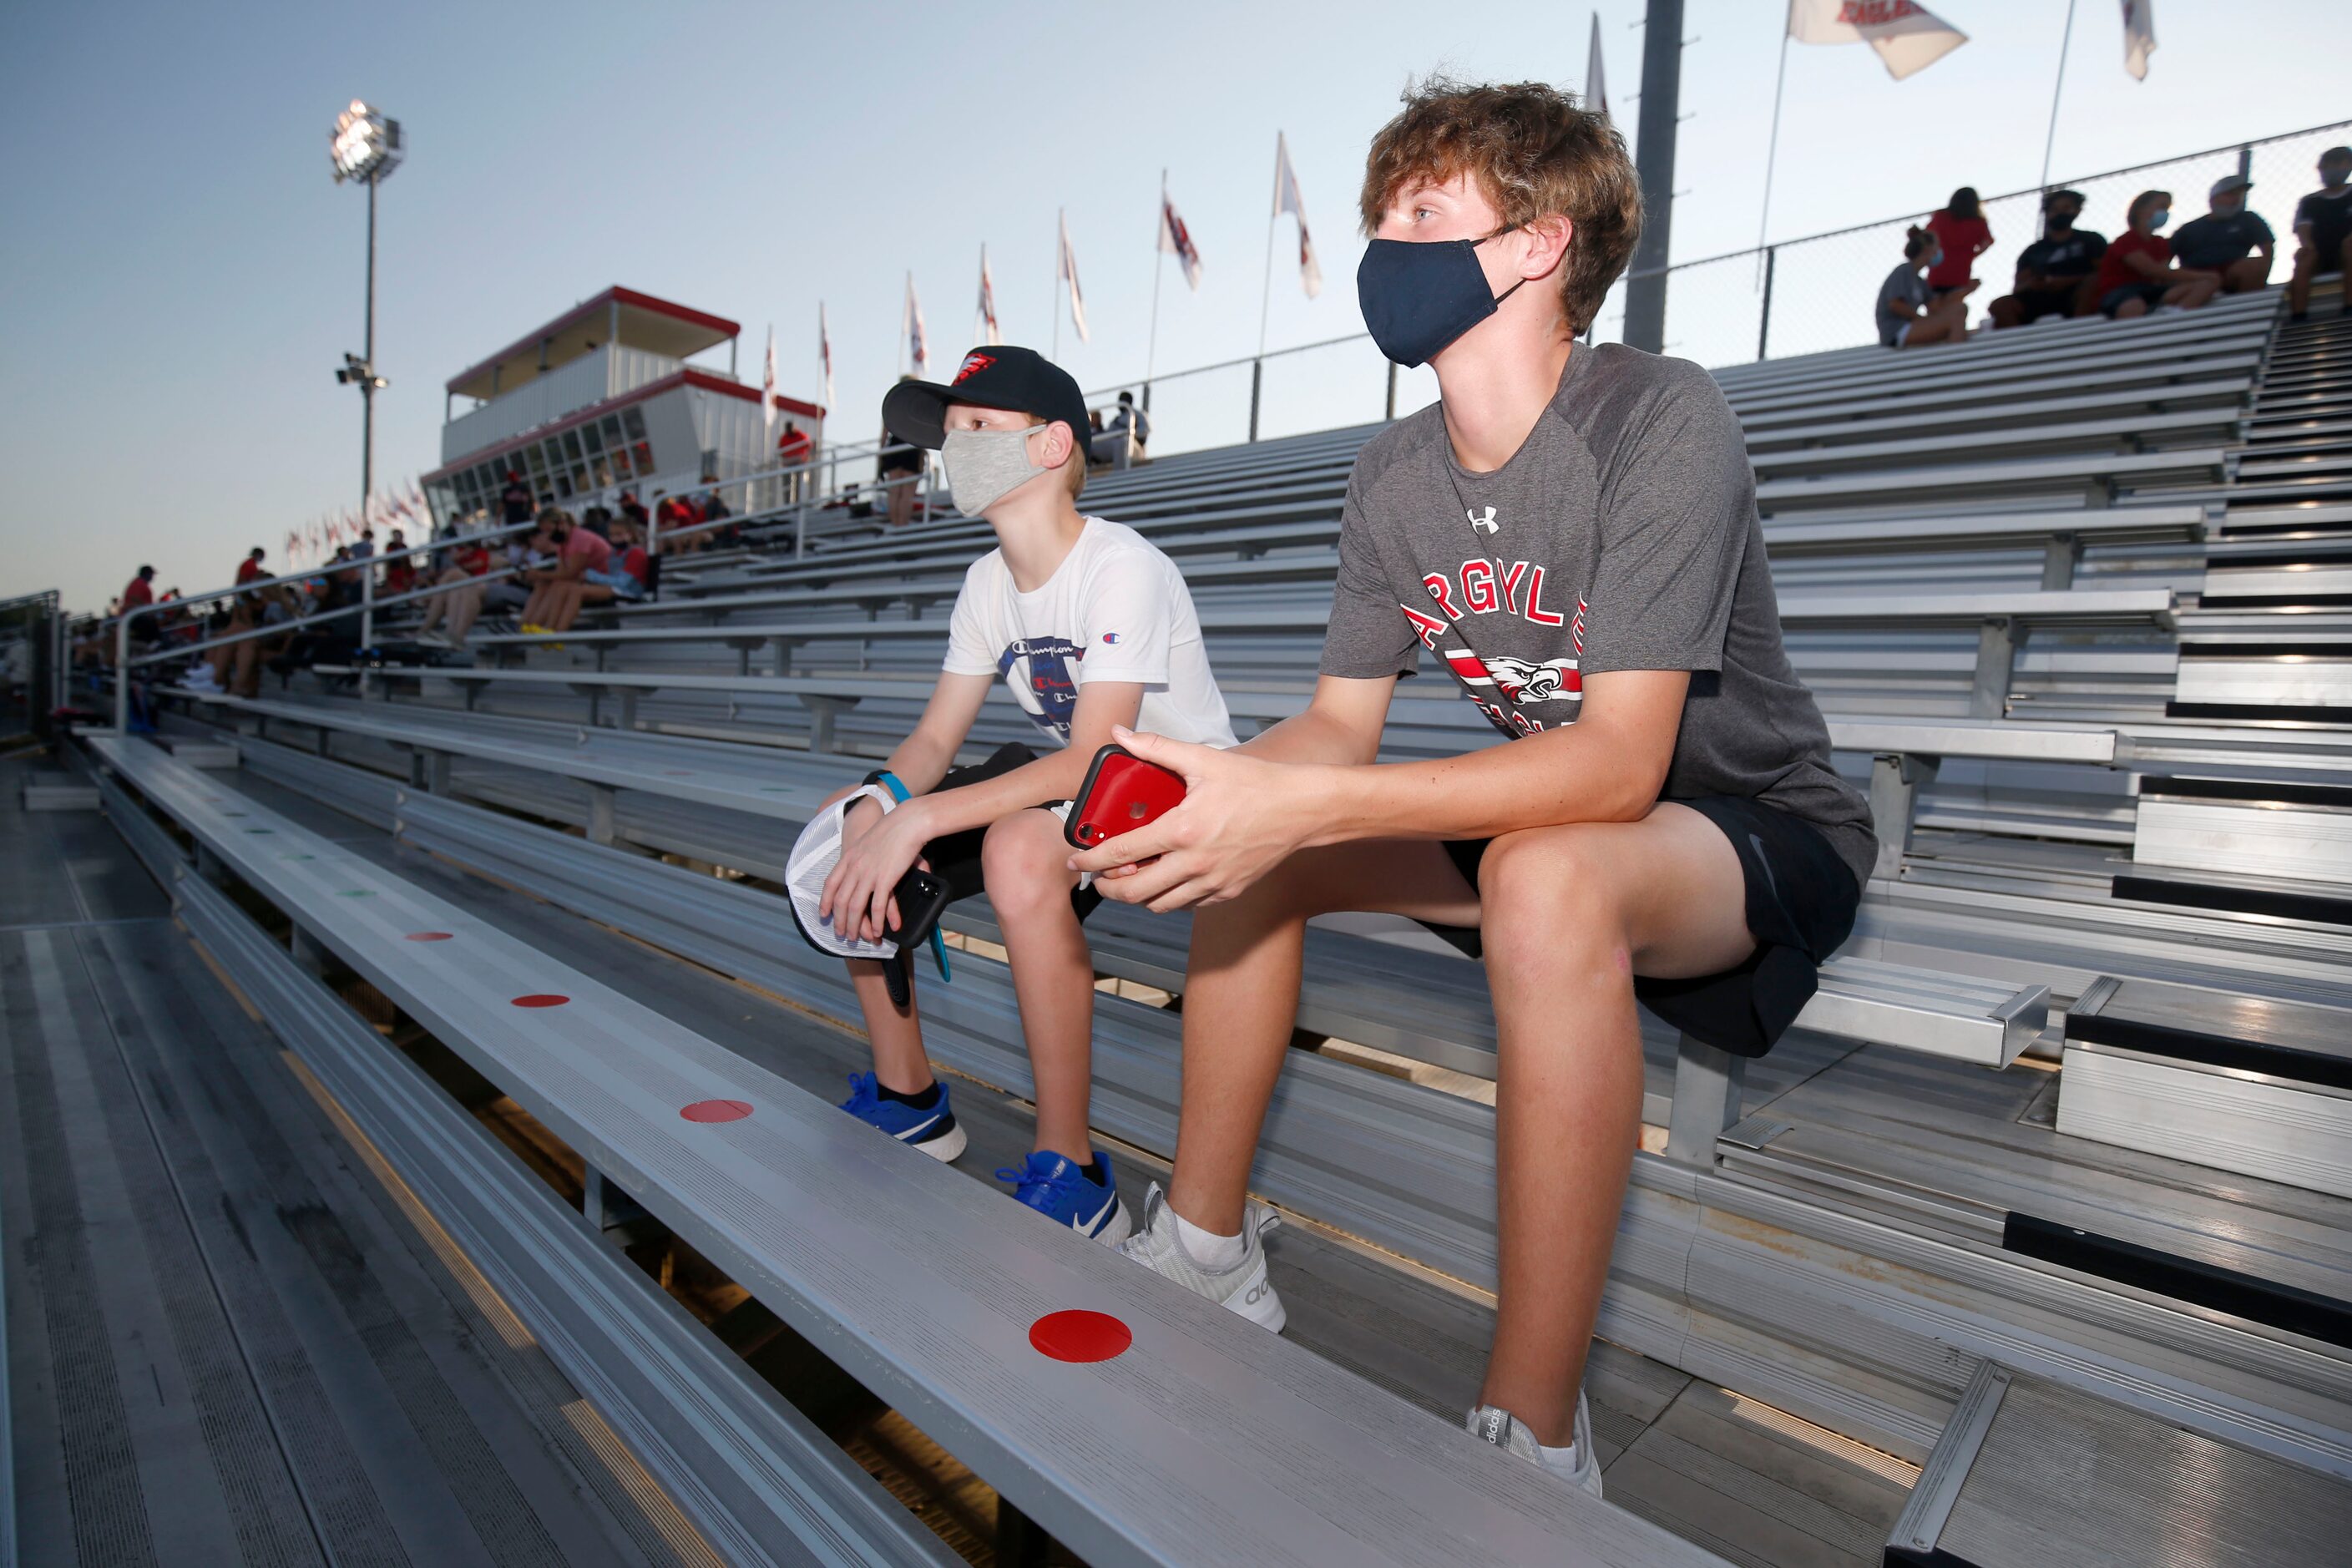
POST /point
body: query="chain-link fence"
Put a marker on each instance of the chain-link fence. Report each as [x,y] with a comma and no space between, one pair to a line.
[1796,296]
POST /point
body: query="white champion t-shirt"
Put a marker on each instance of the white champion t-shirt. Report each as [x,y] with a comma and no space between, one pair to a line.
[1115,609]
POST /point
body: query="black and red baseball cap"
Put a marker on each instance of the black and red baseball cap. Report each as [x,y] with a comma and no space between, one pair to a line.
[996,376]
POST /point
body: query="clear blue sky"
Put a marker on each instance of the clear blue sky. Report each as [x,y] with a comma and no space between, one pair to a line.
[182,276]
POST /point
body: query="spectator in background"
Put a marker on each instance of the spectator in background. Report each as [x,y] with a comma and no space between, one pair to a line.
[139,592]
[716,510]
[1129,429]
[577,553]
[464,581]
[250,569]
[621,577]
[365,549]
[1908,317]
[400,573]
[2228,240]
[634,510]
[793,449]
[2137,273]
[515,503]
[2323,234]
[1961,230]
[900,470]
[2055,272]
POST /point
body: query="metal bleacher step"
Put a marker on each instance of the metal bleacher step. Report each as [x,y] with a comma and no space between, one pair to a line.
[2222,892]
[2297,833]
[2029,1473]
[2260,1088]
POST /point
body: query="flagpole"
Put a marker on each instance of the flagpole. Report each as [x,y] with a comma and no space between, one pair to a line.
[2051,141]
[1266,294]
[1772,150]
[1158,267]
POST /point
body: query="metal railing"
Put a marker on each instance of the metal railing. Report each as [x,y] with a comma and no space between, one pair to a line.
[1792,297]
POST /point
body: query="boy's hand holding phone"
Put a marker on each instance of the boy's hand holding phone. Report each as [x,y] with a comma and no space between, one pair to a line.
[1240,817]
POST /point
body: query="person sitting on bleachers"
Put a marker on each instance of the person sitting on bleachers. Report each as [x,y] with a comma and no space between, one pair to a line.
[2229,240]
[2138,273]
[1090,627]
[1572,530]
[460,603]
[2053,273]
[1910,315]
[621,578]
[2323,234]
[577,552]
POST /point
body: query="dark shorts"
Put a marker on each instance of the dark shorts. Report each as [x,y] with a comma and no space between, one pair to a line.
[1801,902]
[2032,304]
[2115,299]
[955,857]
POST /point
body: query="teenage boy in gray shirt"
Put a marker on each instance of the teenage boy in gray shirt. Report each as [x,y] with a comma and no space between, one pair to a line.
[1572,533]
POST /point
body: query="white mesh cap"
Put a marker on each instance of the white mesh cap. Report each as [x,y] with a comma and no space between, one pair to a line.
[814,854]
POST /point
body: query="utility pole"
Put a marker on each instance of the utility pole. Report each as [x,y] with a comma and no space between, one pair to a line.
[1662,77]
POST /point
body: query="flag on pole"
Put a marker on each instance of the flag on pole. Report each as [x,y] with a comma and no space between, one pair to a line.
[1908,37]
[825,354]
[917,353]
[989,332]
[1596,92]
[2139,37]
[1287,199]
[768,394]
[1176,240]
[1069,273]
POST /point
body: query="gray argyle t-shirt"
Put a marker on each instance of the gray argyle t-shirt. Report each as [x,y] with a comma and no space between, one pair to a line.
[1622,535]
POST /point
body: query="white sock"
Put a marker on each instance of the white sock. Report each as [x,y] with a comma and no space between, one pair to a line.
[1564,1458]
[1208,1248]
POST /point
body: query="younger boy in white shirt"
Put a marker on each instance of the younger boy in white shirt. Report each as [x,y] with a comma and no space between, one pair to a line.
[1089,627]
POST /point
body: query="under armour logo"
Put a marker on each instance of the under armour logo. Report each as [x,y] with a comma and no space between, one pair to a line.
[1485,524]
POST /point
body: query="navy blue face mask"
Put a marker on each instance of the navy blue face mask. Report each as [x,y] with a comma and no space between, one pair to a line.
[1418,295]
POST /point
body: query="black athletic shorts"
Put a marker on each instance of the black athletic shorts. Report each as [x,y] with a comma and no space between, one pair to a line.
[1801,902]
[2116,298]
[2032,304]
[955,857]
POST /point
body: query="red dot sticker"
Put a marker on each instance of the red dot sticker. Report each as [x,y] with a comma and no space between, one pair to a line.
[716,1110]
[541,999]
[427,936]
[1077,1336]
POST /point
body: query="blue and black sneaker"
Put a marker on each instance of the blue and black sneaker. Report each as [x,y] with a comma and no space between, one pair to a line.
[1073,1194]
[925,1121]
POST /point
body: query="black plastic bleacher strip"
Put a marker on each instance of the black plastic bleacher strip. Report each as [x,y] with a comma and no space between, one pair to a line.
[2275,601]
[2306,714]
[2192,649]
[1905,1557]
[2334,1070]
[2319,551]
[2267,792]
[2230,1290]
[2277,902]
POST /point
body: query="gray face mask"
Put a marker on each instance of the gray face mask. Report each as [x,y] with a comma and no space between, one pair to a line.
[985,465]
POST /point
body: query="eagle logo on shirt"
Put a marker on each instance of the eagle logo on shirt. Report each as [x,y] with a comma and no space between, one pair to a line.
[1518,680]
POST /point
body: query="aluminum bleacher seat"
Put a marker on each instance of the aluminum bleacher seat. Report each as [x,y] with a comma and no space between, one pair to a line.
[1271,1455]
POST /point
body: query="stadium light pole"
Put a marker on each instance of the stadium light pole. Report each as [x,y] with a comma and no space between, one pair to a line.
[366,146]
[1653,162]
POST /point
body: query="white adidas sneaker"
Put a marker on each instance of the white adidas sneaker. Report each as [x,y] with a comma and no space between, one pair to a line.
[1242,1288]
[1500,1427]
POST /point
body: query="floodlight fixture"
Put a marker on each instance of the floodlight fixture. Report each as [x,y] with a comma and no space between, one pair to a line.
[365,145]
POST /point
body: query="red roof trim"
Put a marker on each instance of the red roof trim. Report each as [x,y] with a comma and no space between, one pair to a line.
[689,376]
[612,296]
[795,405]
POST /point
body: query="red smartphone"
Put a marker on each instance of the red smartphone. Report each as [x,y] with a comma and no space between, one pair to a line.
[1122,792]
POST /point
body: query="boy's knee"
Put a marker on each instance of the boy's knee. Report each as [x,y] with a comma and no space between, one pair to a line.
[1545,891]
[1026,863]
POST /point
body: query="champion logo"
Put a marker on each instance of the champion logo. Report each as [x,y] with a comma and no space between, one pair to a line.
[974,363]
[1110,637]
[1485,524]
